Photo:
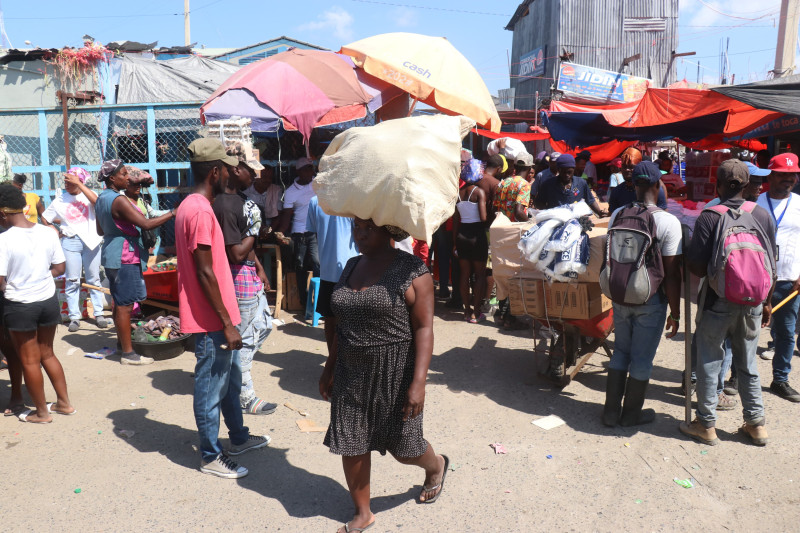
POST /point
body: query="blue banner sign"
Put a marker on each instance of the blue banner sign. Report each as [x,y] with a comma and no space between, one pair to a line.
[532,64]
[589,83]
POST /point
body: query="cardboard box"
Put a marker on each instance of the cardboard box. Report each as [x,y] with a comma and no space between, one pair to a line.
[574,301]
[526,296]
[508,262]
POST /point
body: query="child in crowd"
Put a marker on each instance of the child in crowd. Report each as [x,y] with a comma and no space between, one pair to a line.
[30,256]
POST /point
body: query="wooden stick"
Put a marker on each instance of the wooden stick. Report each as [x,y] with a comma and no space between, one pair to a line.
[148,302]
[785,301]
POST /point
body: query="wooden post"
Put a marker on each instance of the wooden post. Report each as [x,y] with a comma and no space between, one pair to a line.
[63,97]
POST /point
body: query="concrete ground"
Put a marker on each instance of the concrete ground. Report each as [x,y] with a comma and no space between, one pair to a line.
[483,388]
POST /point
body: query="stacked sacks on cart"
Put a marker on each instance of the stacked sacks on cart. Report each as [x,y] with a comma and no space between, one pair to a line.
[558,245]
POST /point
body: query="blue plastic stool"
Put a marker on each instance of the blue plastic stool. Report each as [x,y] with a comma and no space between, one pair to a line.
[311,302]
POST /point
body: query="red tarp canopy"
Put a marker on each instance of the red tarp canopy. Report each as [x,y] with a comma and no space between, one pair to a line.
[717,142]
[601,153]
[524,137]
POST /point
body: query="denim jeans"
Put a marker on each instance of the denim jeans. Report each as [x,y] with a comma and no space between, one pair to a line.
[305,247]
[727,364]
[217,384]
[637,334]
[783,324]
[255,326]
[740,324]
[79,257]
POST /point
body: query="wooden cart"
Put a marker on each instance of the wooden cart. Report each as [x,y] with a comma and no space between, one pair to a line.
[577,342]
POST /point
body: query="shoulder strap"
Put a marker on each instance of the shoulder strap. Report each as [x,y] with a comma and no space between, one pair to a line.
[470,192]
[748,206]
[719,208]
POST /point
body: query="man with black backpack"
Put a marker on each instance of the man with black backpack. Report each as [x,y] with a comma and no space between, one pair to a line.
[733,246]
[641,276]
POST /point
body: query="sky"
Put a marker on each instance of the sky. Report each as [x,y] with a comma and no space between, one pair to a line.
[475,27]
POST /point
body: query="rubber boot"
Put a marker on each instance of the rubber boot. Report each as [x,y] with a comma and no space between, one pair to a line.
[615,390]
[632,412]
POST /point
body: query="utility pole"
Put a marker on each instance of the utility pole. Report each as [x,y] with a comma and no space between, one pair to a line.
[787,37]
[187,39]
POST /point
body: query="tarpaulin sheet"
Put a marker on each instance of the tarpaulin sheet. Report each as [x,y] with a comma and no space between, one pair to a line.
[601,153]
[781,94]
[581,129]
[524,137]
[613,113]
[717,142]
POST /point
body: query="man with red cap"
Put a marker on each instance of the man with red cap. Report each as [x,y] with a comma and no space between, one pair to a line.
[784,206]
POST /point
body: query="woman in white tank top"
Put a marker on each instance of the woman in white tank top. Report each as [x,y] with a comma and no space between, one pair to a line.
[471,243]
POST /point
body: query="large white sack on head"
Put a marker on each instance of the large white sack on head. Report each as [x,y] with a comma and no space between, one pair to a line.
[401,172]
[512,150]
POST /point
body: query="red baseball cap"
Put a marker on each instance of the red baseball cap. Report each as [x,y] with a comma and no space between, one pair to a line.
[616,162]
[784,163]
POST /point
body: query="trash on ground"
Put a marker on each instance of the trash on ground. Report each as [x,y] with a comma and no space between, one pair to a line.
[307,425]
[498,448]
[549,422]
[127,433]
[703,452]
[638,501]
[549,456]
[627,444]
[685,483]
[72,351]
[288,405]
[277,322]
[77,491]
[103,352]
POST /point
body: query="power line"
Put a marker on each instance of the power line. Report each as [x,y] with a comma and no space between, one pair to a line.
[431,8]
[715,10]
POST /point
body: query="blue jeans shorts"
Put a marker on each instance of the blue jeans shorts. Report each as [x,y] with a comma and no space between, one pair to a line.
[126,284]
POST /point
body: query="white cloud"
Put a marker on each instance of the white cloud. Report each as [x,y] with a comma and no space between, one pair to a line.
[405,17]
[335,19]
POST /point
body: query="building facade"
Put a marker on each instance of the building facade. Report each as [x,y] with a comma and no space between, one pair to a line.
[594,33]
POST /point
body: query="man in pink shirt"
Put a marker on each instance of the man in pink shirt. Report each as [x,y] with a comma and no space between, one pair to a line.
[208,308]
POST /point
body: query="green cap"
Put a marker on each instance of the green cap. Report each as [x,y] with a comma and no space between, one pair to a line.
[208,149]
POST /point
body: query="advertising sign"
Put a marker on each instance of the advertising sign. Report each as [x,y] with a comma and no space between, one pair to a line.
[785,124]
[587,83]
[532,64]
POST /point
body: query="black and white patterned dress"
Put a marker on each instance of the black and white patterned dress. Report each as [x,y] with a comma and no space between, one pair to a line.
[375,364]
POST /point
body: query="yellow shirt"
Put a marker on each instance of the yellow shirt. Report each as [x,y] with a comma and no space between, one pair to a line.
[31,212]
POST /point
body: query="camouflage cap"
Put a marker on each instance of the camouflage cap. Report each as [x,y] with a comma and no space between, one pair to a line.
[246,155]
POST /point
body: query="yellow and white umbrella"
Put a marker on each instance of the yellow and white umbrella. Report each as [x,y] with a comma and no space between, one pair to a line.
[431,70]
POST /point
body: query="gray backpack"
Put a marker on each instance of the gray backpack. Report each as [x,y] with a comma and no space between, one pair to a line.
[633,270]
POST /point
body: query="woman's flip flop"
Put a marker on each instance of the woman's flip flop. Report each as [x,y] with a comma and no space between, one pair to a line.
[23,416]
[51,410]
[440,486]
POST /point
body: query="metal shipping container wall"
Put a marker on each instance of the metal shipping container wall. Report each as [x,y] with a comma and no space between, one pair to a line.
[600,34]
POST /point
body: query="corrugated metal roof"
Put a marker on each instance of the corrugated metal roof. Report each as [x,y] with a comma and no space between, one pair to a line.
[518,14]
[644,24]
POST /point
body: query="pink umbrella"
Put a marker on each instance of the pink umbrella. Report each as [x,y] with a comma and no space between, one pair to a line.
[302,89]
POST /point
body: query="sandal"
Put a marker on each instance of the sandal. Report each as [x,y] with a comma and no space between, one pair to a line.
[14,410]
[440,486]
[348,529]
[480,318]
[50,409]
[23,417]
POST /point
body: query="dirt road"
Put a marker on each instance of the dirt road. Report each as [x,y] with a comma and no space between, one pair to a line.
[483,388]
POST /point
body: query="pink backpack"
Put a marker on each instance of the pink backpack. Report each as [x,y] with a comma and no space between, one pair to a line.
[742,264]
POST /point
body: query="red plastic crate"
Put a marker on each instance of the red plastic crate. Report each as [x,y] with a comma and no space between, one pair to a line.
[162,285]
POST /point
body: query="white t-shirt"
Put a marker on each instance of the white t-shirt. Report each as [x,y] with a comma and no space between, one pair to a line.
[25,258]
[668,232]
[297,197]
[76,215]
[788,233]
[615,179]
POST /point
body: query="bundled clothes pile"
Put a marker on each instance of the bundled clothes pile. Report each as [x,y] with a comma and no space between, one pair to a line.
[156,327]
[558,245]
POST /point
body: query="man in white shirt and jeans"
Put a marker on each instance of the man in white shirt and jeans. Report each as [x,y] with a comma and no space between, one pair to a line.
[784,206]
[293,217]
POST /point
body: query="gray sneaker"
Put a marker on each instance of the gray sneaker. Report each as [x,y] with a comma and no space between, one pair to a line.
[223,466]
[101,322]
[134,358]
[253,442]
[725,402]
[74,326]
[767,355]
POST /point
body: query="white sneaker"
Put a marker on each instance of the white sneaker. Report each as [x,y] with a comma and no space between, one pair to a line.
[767,355]
[223,466]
